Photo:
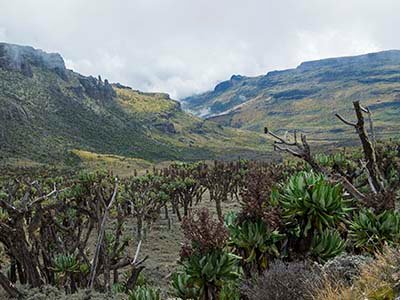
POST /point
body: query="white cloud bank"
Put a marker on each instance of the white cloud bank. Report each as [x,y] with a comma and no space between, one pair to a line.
[187,46]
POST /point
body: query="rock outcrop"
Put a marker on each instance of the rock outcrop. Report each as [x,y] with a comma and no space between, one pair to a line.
[96,88]
[166,127]
[23,58]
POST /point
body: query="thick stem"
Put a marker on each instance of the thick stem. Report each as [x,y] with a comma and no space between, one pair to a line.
[139,229]
[167,216]
[13,271]
[185,208]
[131,283]
[218,206]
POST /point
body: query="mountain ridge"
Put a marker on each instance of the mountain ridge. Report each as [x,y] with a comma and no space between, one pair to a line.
[386,56]
[308,96]
[46,111]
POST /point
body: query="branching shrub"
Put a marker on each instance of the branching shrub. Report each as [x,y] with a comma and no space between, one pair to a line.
[146,197]
[185,184]
[202,233]
[258,184]
[221,181]
[47,229]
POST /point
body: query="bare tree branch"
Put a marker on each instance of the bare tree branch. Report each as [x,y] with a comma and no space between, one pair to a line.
[345,121]
[303,151]
[371,124]
[280,140]
[370,182]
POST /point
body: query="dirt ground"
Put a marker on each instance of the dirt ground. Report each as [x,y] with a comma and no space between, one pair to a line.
[163,245]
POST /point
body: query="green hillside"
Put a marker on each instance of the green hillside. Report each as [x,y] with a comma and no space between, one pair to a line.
[307,97]
[47,111]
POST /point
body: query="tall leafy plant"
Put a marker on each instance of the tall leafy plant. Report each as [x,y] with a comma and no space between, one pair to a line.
[254,233]
[310,203]
[206,265]
[255,242]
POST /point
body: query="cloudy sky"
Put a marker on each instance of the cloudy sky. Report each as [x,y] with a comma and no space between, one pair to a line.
[187,46]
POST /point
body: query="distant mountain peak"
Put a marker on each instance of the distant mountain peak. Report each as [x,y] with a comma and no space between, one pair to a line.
[22,58]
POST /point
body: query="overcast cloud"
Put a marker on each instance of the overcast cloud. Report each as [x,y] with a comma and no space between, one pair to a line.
[187,46]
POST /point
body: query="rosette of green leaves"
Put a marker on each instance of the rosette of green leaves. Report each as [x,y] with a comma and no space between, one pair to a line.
[310,203]
[145,293]
[254,241]
[327,245]
[370,232]
[182,287]
[213,270]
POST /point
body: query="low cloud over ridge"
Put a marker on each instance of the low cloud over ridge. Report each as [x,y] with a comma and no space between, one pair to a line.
[184,47]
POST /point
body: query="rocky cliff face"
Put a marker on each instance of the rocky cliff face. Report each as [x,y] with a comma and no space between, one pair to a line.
[22,58]
[96,88]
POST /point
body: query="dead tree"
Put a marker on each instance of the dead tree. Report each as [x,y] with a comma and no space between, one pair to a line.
[301,149]
[16,235]
[374,176]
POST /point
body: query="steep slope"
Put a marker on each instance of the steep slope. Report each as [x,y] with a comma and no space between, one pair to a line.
[307,97]
[47,110]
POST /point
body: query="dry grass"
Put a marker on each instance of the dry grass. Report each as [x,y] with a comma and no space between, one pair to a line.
[140,102]
[379,280]
[333,291]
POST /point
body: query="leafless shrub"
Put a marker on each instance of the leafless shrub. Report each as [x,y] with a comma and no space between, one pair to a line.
[203,233]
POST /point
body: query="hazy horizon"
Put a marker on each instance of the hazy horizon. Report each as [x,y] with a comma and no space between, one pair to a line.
[186,47]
